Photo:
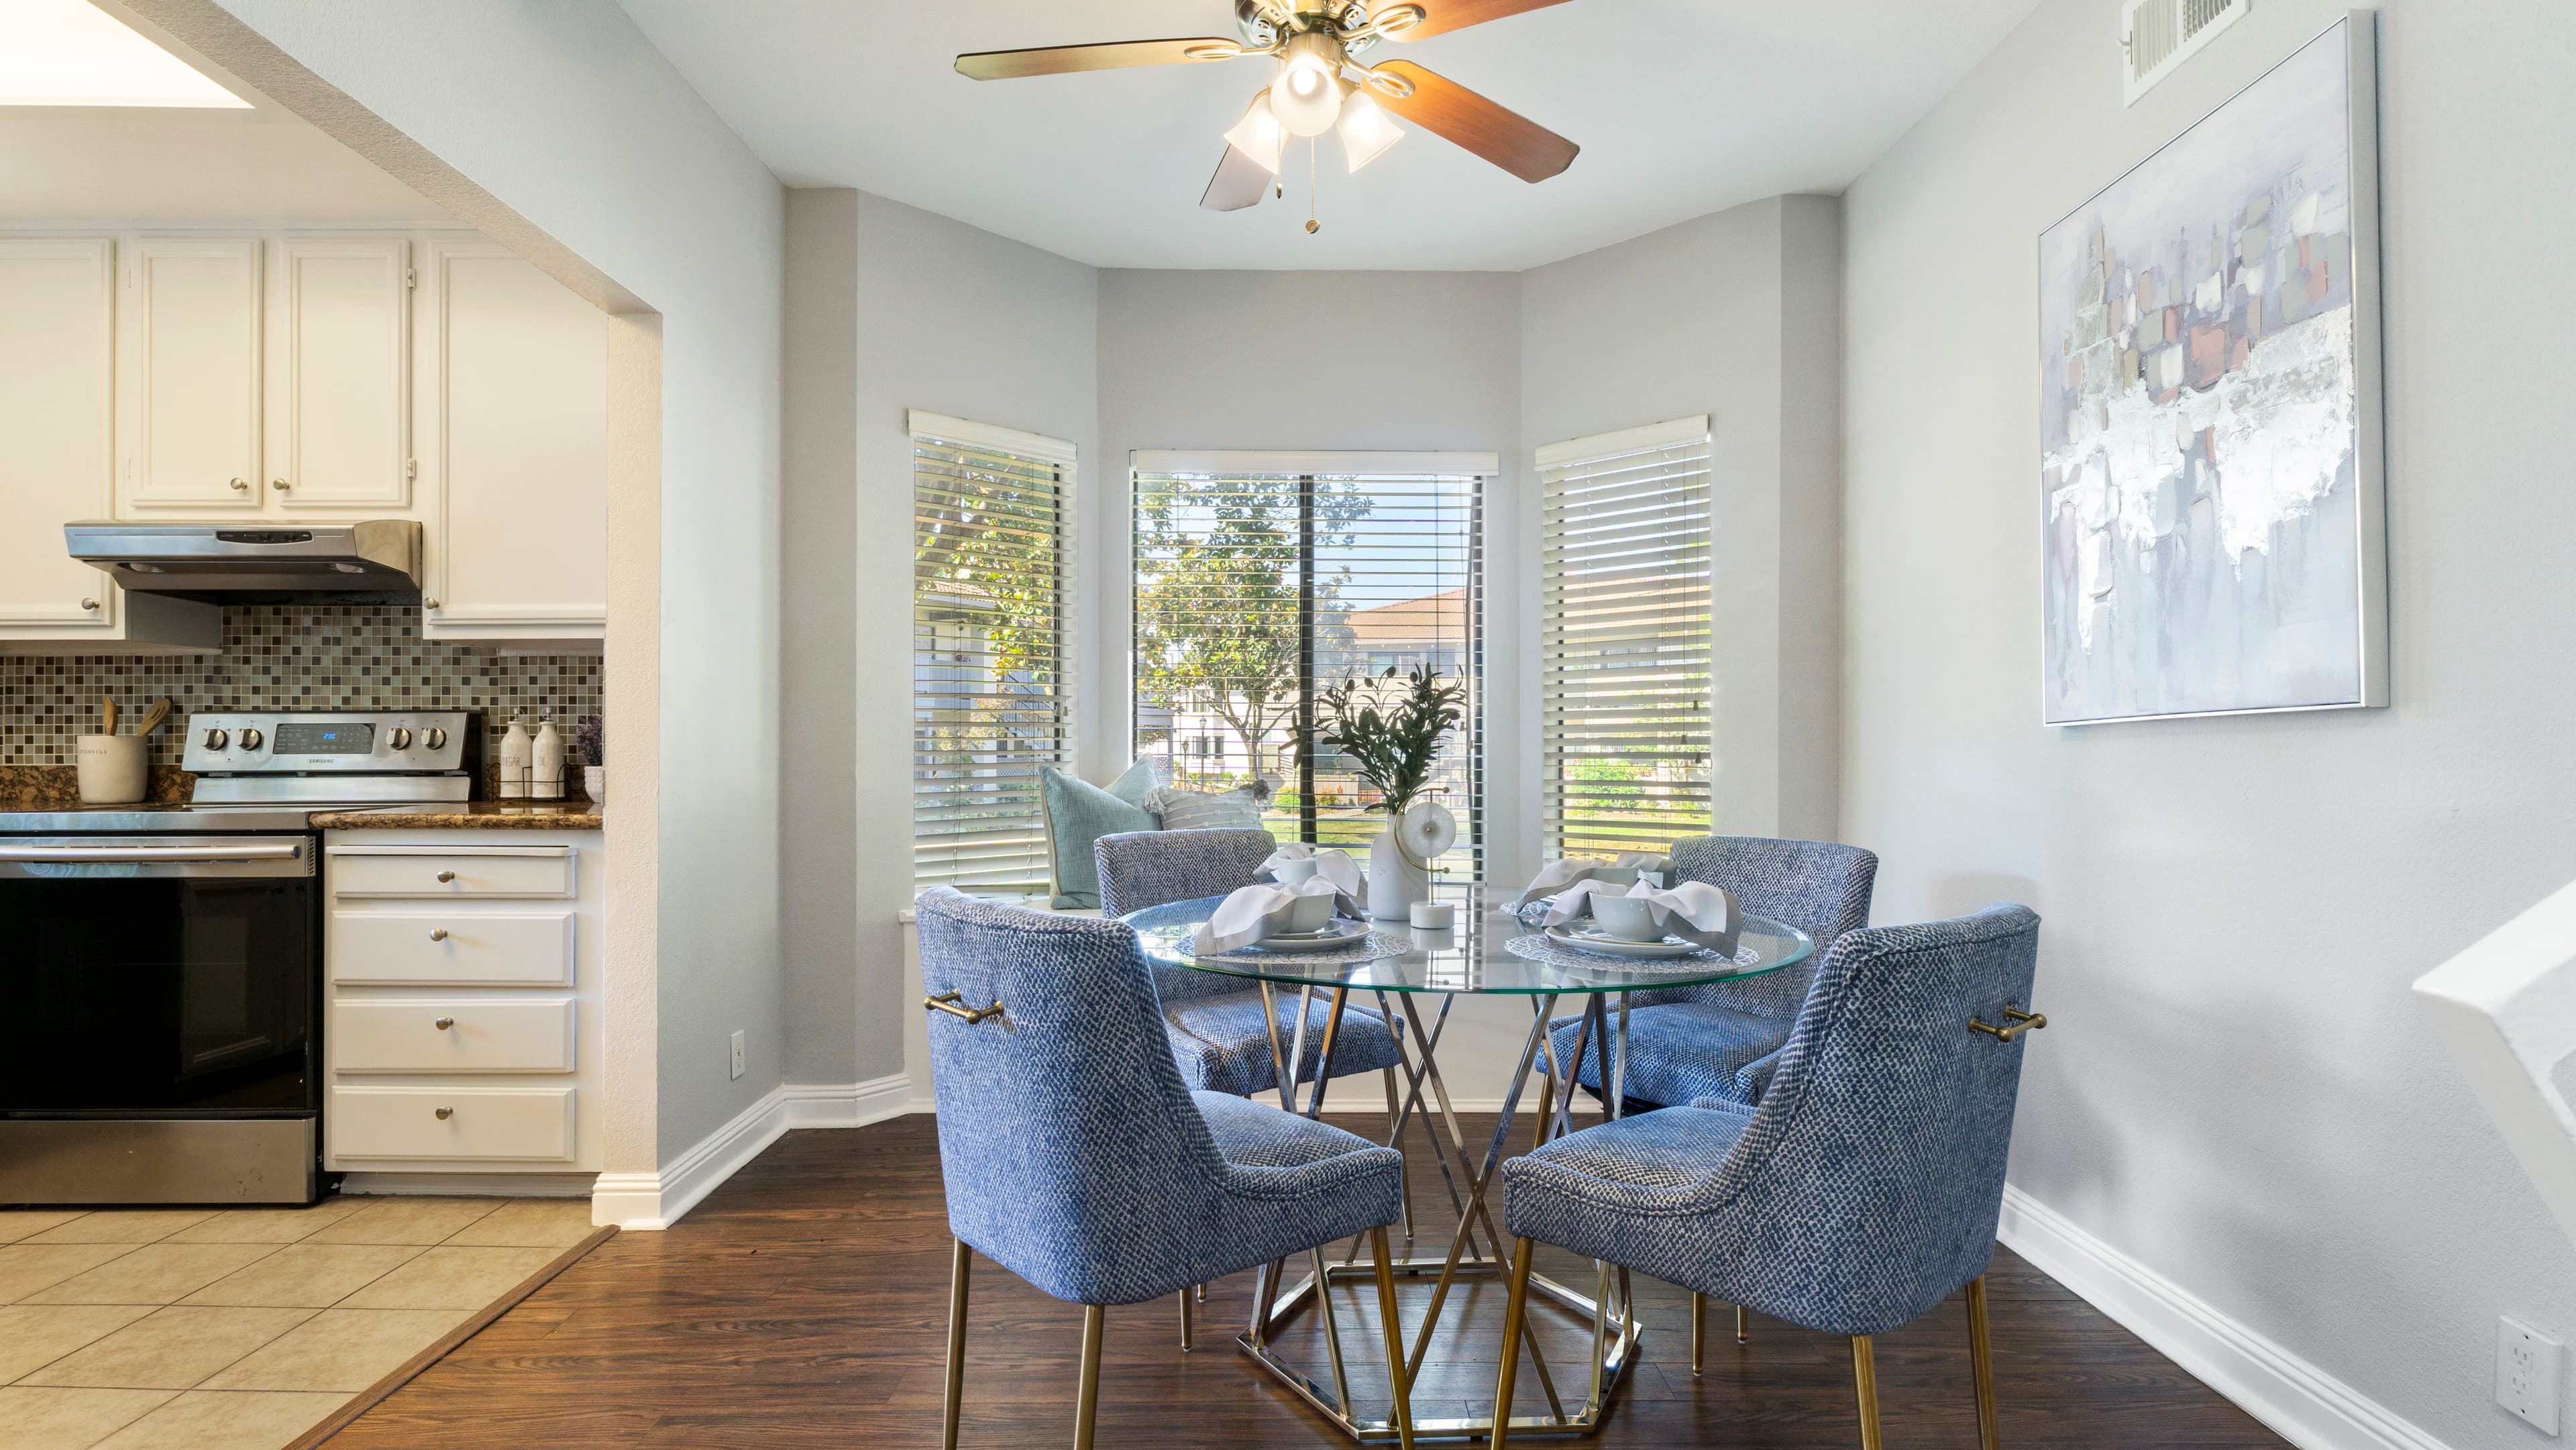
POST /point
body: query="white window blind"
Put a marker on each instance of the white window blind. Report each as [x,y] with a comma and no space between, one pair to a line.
[1260,580]
[1625,673]
[992,643]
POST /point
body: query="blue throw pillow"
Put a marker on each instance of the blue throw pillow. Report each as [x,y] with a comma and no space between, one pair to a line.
[1079,813]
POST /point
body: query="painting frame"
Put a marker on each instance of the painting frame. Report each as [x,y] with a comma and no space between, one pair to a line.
[2355,35]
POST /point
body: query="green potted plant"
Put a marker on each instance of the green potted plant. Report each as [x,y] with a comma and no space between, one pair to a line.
[1391,730]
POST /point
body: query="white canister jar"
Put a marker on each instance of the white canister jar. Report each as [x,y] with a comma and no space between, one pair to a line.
[546,763]
[114,769]
[518,750]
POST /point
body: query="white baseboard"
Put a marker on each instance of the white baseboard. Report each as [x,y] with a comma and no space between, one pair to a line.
[2298,1401]
[659,1200]
[471,1185]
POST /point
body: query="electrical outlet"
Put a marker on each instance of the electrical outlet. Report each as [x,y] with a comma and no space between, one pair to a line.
[737,1052]
[2527,1374]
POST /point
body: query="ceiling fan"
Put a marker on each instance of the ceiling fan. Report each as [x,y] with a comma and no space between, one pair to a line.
[1321,87]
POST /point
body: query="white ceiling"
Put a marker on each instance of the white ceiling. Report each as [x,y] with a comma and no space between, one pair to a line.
[1682,107]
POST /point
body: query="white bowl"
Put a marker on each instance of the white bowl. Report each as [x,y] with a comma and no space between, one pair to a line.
[1293,873]
[1311,913]
[1628,918]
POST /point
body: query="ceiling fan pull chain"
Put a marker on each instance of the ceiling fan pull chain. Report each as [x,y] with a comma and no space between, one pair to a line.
[1312,226]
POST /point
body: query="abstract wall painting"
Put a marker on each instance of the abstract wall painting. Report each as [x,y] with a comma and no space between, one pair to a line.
[2210,482]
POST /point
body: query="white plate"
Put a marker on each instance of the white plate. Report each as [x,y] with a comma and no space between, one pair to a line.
[1339,934]
[1601,944]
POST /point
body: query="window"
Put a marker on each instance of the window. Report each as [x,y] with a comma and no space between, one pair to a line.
[992,641]
[1261,579]
[1624,673]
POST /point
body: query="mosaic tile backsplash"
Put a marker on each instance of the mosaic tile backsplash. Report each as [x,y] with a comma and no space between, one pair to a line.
[288,657]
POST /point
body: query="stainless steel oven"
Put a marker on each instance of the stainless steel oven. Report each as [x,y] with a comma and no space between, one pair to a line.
[158,1015]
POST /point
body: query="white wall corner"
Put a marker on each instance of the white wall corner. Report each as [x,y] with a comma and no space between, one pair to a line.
[2296,1400]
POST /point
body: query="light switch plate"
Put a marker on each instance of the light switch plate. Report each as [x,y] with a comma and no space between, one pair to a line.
[2527,1374]
[737,1067]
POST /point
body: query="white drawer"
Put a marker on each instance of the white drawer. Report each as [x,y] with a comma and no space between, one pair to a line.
[452,948]
[465,872]
[526,1035]
[480,1123]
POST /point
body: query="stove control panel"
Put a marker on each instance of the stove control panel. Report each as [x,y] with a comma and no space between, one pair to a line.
[334,742]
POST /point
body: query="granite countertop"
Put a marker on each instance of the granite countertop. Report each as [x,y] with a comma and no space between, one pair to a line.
[574,814]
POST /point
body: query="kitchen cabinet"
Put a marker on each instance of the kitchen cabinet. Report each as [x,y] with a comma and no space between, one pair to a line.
[338,361]
[189,378]
[58,453]
[514,448]
[464,1032]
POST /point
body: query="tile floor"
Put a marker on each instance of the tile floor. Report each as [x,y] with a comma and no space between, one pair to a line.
[239,1329]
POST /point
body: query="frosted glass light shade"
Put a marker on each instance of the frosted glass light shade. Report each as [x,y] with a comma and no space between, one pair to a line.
[1307,96]
[1259,134]
[1366,131]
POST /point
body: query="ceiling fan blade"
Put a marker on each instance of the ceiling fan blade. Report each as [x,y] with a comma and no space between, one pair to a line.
[1508,139]
[1440,16]
[1239,182]
[999,65]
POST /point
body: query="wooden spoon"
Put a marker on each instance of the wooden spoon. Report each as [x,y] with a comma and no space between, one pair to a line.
[153,717]
[107,716]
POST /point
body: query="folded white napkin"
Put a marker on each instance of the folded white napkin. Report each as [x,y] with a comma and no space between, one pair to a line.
[1251,913]
[1697,911]
[1331,864]
[1575,901]
[1555,876]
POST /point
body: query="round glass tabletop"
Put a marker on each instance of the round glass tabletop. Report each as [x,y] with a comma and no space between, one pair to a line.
[1473,957]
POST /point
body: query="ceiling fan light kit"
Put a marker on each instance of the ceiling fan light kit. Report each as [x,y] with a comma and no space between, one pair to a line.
[1319,87]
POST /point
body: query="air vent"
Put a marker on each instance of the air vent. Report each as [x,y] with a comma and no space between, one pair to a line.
[2157,36]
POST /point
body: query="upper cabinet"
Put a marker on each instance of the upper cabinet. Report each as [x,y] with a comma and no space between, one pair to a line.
[338,432]
[57,444]
[514,449]
[188,404]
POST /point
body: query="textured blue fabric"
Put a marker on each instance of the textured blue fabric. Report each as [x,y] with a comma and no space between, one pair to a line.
[1727,1043]
[1072,1154]
[1220,1036]
[1079,813]
[1865,1187]
[1149,868]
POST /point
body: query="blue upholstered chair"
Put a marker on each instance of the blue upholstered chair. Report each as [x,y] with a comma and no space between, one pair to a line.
[1220,1034]
[1861,1192]
[1723,1040]
[1074,1157]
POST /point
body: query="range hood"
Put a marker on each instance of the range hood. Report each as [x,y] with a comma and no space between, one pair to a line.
[240,561]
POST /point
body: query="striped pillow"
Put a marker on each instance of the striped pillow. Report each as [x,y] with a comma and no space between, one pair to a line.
[1197,810]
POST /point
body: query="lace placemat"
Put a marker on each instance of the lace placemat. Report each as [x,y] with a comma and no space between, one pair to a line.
[1537,948]
[1362,949]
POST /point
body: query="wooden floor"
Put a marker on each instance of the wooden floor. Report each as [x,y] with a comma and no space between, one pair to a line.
[804,1303]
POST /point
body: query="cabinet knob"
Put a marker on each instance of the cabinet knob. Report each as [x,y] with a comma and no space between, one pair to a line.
[443,1023]
[446,876]
[445,1113]
[438,933]
[428,603]
[241,485]
[89,604]
[281,485]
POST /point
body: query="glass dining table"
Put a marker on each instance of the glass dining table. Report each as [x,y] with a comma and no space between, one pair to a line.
[1489,953]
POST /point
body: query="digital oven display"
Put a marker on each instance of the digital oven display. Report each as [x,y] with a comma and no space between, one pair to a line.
[312,737]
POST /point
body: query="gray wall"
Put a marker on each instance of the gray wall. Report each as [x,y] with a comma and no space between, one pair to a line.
[1734,315]
[2235,1088]
[893,308]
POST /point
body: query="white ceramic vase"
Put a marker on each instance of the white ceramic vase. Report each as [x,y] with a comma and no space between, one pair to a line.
[1395,880]
[594,783]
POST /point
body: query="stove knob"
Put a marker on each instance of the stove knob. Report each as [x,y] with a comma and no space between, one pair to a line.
[215,739]
[249,738]
[401,738]
[436,739]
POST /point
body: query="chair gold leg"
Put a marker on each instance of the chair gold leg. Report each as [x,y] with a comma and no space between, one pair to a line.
[1185,1321]
[1981,1362]
[1201,1292]
[1743,1325]
[1522,1252]
[1086,1400]
[959,1266]
[1865,1377]
[1393,1326]
[1699,1330]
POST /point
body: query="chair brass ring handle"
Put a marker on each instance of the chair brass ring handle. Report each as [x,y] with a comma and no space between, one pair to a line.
[2016,1022]
[952,1003]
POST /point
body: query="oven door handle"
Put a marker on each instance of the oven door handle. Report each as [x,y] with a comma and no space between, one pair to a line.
[261,851]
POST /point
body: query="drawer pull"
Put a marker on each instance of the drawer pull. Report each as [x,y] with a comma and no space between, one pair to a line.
[445,1113]
[443,1023]
[438,933]
[446,876]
